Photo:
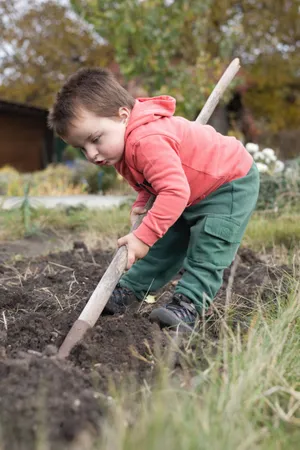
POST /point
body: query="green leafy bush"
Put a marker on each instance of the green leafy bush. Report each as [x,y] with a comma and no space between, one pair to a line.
[96,178]
[280,190]
[279,181]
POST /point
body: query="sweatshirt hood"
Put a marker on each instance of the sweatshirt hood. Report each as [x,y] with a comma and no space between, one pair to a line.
[148,110]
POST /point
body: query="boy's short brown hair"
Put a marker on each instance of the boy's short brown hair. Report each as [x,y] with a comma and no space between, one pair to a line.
[95,90]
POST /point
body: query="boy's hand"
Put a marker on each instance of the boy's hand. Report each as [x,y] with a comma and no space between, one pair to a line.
[135,213]
[136,248]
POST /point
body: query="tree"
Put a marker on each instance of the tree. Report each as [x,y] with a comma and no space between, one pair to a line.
[160,44]
[40,46]
[265,35]
[181,46]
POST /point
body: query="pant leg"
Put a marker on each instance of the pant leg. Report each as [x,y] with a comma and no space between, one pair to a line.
[217,225]
[162,262]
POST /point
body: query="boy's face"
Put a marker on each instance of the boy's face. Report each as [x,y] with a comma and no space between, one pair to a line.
[102,139]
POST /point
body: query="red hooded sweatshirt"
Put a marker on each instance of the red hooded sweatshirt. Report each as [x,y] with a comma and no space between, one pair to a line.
[179,161]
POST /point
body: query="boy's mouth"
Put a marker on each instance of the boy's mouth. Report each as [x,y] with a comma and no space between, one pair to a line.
[101,163]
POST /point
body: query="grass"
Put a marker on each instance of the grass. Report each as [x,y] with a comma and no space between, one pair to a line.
[246,397]
[265,231]
[105,223]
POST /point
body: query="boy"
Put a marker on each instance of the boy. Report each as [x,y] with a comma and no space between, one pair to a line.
[206,187]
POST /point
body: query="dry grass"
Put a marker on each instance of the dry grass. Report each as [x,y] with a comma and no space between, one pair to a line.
[242,392]
[101,224]
[54,180]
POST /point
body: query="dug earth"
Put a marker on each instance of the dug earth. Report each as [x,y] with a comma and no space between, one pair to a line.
[64,403]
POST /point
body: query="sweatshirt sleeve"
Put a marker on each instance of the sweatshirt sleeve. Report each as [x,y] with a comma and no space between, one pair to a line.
[141,199]
[157,158]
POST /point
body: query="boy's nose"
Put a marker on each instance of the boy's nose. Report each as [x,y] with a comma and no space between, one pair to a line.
[91,152]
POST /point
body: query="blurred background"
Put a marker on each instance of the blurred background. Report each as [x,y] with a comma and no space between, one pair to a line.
[178,47]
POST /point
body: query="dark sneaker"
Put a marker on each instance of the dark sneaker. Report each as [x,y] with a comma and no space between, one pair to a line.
[180,313]
[120,300]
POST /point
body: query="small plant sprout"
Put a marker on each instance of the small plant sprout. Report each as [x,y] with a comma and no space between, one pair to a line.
[26,208]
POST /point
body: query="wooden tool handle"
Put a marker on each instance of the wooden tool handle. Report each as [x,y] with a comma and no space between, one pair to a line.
[218,91]
[148,206]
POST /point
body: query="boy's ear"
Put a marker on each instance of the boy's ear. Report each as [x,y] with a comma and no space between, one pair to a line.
[124,113]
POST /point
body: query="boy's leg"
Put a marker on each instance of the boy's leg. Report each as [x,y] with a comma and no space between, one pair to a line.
[216,237]
[162,262]
[208,255]
[217,227]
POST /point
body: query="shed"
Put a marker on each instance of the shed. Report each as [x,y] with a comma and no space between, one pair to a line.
[26,143]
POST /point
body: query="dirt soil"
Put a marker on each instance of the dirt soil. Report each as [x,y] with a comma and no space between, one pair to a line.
[65,402]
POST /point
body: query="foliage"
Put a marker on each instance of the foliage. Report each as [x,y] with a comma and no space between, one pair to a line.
[36,57]
[176,47]
[179,47]
[265,35]
[273,93]
[8,175]
[96,178]
[279,183]
[71,154]
[266,160]
[159,44]
[54,180]
[81,177]
[281,191]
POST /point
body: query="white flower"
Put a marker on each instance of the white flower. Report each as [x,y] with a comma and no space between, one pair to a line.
[262,168]
[269,153]
[252,148]
[258,155]
[279,166]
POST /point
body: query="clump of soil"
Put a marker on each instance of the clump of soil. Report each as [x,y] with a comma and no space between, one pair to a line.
[127,340]
[40,300]
[46,401]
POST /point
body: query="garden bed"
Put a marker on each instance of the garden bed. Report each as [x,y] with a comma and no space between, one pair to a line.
[65,402]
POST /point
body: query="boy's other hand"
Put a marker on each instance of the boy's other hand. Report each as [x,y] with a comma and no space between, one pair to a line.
[135,213]
[135,247]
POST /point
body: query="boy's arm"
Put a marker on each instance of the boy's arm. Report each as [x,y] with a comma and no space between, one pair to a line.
[141,199]
[157,158]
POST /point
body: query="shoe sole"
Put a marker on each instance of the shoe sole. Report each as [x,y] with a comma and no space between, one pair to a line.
[167,319]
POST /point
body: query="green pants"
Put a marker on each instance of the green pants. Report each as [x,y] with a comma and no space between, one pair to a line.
[203,241]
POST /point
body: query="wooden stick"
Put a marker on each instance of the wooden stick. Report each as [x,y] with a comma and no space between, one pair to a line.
[218,91]
[108,282]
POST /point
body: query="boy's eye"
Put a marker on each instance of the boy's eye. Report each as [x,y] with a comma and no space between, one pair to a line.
[96,139]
